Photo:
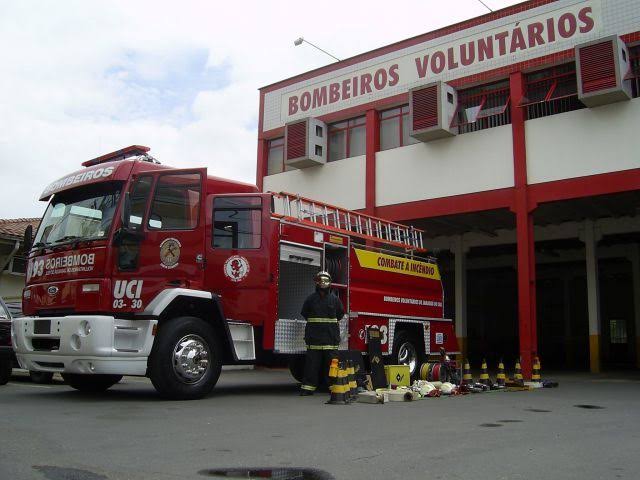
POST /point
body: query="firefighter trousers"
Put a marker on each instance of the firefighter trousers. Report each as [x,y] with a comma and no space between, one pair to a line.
[316,366]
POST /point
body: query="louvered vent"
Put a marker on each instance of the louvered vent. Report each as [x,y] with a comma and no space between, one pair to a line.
[296,140]
[432,108]
[597,67]
[306,143]
[602,66]
[425,107]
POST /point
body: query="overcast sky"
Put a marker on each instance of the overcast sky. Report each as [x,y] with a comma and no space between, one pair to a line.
[82,78]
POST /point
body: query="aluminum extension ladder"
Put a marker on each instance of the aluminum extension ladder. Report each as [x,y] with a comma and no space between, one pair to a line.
[348,221]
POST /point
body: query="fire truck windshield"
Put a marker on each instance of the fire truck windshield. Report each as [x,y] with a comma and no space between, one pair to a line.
[83,213]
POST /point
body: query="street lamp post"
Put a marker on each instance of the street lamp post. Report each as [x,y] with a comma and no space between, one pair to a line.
[301,40]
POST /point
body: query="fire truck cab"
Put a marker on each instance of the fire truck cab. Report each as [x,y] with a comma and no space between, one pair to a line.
[142,269]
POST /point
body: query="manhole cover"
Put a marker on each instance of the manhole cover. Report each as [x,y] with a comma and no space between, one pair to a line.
[490,425]
[537,410]
[63,473]
[589,407]
[289,473]
[510,421]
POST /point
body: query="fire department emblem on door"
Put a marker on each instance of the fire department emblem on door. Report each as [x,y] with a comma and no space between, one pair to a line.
[236,268]
[170,252]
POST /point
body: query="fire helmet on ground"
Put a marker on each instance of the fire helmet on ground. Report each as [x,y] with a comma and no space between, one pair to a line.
[323,279]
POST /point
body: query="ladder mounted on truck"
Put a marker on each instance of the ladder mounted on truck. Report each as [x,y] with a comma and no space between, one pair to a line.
[348,222]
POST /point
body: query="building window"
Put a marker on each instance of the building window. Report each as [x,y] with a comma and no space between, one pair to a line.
[482,107]
[634,58]
[176,202]
[551,91]
[347,139]
[237,222]
[395,127]
[275,156]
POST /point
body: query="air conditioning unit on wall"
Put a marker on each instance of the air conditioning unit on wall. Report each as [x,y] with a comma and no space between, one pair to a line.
[305,143]
[432,110]
[601,67]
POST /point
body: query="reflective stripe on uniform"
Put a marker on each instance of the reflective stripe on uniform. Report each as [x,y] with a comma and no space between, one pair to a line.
[322,320]
[311,388]
[322,347]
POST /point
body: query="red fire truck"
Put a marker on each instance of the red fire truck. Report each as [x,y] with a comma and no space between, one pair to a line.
[142,269]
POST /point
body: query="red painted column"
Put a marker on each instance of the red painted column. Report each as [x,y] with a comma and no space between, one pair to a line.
[261,164]
[524,232]
[373,146]
[261,168]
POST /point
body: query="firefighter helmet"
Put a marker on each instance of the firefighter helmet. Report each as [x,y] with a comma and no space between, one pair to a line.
[323,279]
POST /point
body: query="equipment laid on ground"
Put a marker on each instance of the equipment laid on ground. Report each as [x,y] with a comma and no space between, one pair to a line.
[397,375]
[143,269]
[378,377]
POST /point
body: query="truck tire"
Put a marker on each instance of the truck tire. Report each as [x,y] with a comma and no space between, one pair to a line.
[90,383]
[41,377]
[185,361]
[296,367]
[407,350]
[5,371]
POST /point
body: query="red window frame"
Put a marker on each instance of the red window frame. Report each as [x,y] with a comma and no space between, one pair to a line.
[274,143]
[548,81]
[350,125]
[481,95]
[404,111]
[634,73]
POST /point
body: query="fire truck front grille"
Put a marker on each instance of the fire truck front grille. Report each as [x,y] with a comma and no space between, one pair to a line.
[45,344]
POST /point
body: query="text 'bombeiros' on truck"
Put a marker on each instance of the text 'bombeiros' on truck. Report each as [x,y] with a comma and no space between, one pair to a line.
[142,269]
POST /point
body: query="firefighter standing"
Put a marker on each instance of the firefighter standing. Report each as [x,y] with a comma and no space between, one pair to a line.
[322,310]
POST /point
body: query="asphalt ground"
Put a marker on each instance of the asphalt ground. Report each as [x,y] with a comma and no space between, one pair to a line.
[256,419]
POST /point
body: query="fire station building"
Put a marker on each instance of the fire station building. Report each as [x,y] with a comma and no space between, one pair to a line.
[513,140]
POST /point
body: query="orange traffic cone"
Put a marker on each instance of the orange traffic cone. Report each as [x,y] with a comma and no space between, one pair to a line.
[353,385]
[467,378]
[338,391]
[501,377]
[484,373]
[535,375]
[517,375]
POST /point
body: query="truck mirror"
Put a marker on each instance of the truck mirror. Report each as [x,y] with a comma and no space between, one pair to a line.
[27,240]
[125,211]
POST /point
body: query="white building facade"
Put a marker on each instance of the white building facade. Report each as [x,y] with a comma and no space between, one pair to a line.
[511,138]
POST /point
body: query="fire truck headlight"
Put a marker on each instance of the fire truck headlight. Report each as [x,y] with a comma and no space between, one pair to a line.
[85,328]
[26,294]
[90,287]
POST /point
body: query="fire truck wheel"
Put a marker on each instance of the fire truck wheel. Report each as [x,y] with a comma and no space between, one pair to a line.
[407,351]
[296,367]
[185,361]
[90,383]
[41,377]
[5,371]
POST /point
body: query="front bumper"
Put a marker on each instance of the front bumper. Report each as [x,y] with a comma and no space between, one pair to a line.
[86,344]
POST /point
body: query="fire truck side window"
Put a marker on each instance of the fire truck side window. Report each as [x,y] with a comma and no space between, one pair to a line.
[139,196]
[176,202]
[237,222]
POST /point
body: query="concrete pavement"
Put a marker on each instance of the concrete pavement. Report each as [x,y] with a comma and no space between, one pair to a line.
[255,419]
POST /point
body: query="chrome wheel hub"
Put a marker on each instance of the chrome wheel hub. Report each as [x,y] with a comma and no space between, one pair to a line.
[191,358]
[407,355]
